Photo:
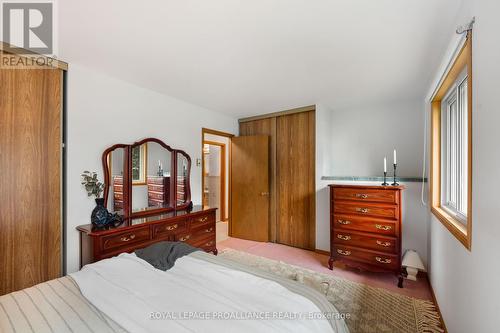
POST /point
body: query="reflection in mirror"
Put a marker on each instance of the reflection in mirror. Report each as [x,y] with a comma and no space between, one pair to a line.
[139,164]
[182,176]
[115,167]
[151,177]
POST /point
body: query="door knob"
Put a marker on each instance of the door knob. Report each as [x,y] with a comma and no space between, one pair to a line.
[264,194]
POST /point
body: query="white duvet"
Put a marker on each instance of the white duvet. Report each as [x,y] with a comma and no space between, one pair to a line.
[141,298]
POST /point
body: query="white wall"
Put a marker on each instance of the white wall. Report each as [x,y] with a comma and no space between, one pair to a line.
[354,141]
[466,283]
[103,111]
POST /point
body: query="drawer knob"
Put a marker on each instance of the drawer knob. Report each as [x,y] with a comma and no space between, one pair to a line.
[344,253]
[203,219]
[343,237]
[362,210]
[127,238]
[383,227]
[172,227]
[209,243]
[209,230]
[185,238]
[344,222]
[386,244]
[361,195]
[383,260]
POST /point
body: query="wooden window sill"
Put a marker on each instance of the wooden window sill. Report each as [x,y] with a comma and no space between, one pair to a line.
[457,228]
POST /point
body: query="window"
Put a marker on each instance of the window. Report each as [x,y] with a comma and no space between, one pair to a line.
[451,147]
[454,147]
[139,164]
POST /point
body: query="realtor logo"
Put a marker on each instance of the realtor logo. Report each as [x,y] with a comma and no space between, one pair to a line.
[28,25]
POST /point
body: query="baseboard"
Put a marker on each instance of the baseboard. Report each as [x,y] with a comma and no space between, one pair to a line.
[327,253]
[435,300]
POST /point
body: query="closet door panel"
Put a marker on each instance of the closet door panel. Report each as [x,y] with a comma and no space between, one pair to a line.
[295,150]
[267,127]
[30,178]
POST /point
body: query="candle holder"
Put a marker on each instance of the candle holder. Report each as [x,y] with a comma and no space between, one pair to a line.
[385,179]
[395,183]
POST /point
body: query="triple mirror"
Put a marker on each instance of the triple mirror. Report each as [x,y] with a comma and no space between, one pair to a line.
[145,178]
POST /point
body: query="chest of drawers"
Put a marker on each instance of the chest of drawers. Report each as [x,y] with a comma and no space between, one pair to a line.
[365,227]
[196,227]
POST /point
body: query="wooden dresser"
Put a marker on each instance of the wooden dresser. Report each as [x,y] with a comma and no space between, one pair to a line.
[158,190]
[365,227]
[195,227]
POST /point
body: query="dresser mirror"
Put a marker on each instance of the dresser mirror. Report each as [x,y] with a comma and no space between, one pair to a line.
[151,165]
[114,158]
[145,178]
[183,167]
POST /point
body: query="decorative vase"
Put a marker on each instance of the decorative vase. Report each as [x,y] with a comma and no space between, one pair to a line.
[99,217]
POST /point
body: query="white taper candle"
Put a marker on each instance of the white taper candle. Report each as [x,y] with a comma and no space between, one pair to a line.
[395,157]
[385,164]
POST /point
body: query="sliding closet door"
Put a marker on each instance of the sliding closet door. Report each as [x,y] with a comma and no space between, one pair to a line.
[30,177]
[295,135]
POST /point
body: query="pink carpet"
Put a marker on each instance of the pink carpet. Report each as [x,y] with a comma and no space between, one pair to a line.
[319,262]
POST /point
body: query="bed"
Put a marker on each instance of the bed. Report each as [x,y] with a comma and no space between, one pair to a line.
[200,293]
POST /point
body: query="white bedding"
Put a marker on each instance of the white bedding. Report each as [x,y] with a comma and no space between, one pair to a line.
[131,292]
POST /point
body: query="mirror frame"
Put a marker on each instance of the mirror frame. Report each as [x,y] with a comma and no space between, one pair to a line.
[127,179]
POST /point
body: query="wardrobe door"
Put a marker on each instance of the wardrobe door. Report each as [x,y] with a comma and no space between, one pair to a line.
[250,187]
[295,151]
[266,126]
[30,177]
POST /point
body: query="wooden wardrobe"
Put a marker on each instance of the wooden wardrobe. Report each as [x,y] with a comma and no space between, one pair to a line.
[31,175]
[292,217]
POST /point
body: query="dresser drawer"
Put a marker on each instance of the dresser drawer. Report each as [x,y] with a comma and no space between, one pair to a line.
[118,188]
[366,209]
[118,196]
[207,244]
[124,239]
[203,230]
[365,240]
[155,188]
[383,227]
[202,220]
[170,228]
[156,196]
[382,260]
[156,180]
[192,239]
[384,196]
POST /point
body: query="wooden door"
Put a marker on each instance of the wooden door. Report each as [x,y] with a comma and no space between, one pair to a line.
[250,187]
[30,177]
[296,203]
[266,126]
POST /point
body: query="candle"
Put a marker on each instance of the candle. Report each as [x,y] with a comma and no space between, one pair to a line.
[395,157]
[159,163]
[385,164]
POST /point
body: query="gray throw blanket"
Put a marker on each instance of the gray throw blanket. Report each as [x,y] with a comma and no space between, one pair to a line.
[163,255]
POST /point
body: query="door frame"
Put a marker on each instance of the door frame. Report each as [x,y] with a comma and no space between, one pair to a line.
[222,203]
[229,136]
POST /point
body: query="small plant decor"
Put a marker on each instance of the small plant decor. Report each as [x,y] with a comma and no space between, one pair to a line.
[92,185]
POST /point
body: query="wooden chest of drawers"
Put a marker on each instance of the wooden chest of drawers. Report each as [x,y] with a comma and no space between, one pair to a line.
[196,227]
[117,193]
[158,191]
[365,227]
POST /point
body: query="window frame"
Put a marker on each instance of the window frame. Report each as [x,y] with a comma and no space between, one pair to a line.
[143,165]
[459,226]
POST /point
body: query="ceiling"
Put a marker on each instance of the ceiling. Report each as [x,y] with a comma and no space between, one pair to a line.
[257,56]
